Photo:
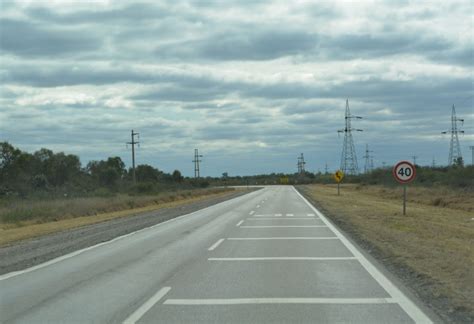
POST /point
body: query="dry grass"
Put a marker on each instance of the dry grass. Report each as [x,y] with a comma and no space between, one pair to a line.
[434,241]
[85,211]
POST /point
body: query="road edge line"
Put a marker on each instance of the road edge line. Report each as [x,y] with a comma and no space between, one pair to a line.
[405,303]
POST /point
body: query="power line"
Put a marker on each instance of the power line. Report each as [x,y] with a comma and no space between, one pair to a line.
[196,163]
[133,143]
[454,147]
[348,156]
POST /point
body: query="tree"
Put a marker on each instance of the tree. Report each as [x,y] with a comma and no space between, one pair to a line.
[177,177]
[146,173]
[107,173]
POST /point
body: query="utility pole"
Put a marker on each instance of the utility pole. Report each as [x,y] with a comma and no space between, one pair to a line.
[326,168]
[301,164]
[454,147]
[133,142]
[348,156]
[196,163]
[472,151]
[433,163]
[367,157]
[414,159]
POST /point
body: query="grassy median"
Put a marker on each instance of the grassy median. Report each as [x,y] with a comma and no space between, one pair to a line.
[20,219]
[433,243]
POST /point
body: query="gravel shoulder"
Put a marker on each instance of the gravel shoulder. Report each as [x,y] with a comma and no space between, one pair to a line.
[31,252]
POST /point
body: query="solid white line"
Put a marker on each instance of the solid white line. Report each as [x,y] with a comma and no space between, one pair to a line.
[285,226]
[240,301]
[215,245]
[252,212]
[282,218]
[406,304]
[239,223]
[284,259]
[146,306]
[282,238]
[290,215]
[75,253]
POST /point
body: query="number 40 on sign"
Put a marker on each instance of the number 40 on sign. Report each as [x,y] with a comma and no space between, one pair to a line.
[404,172]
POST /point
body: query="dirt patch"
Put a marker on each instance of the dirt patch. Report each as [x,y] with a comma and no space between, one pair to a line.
[430,248]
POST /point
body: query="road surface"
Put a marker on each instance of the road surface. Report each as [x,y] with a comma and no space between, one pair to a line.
[268,256]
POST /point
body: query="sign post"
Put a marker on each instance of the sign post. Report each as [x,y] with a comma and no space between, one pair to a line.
[338,177]
[404,172]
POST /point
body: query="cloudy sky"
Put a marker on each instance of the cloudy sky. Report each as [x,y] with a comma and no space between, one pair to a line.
[252,84]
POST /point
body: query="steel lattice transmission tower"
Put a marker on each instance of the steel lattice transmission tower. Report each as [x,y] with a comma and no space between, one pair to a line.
[454,147]
[348,156]
[196,163]
[301,164]
[368,165]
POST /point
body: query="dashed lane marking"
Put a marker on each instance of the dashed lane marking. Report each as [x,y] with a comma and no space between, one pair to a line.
[239,223]
[146,306]
[215,245]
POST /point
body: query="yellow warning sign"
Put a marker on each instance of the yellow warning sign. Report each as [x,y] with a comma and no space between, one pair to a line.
[338,176]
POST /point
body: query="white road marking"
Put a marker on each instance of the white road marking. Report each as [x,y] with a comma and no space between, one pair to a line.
[75,253]
[240,301]
[258,206]
[406,304]
[215,245]
[283,238]
[277,215]
[290,215]
[252,212]
[286,226]
[282,218]
[146,307]
[239,223]
[310,215]
[284,259]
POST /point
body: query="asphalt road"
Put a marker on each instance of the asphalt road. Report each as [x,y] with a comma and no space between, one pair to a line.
[267,256]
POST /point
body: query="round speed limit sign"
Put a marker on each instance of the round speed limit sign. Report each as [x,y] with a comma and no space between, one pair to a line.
[404,172]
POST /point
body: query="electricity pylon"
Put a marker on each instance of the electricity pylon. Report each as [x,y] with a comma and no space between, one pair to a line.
[348,156]
[196,163]
[454,147]
[368,159]
[301,164]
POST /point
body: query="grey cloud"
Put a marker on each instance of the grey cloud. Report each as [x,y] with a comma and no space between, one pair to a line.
[23,38]
[242,44]
[136,12]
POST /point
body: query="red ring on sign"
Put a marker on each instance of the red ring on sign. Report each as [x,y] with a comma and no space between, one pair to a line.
[412,177]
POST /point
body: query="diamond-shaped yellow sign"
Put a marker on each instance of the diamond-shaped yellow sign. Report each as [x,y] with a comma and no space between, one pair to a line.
[338,176]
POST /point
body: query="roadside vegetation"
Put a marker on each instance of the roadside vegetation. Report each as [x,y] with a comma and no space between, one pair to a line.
[48,187]
[431,247]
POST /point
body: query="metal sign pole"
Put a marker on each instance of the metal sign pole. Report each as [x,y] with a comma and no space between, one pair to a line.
[404,199]
[338,193]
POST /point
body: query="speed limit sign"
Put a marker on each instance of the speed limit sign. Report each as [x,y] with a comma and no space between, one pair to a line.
[404,172]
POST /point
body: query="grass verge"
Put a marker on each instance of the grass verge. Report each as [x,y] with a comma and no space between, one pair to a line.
[58,215]
[431,247]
